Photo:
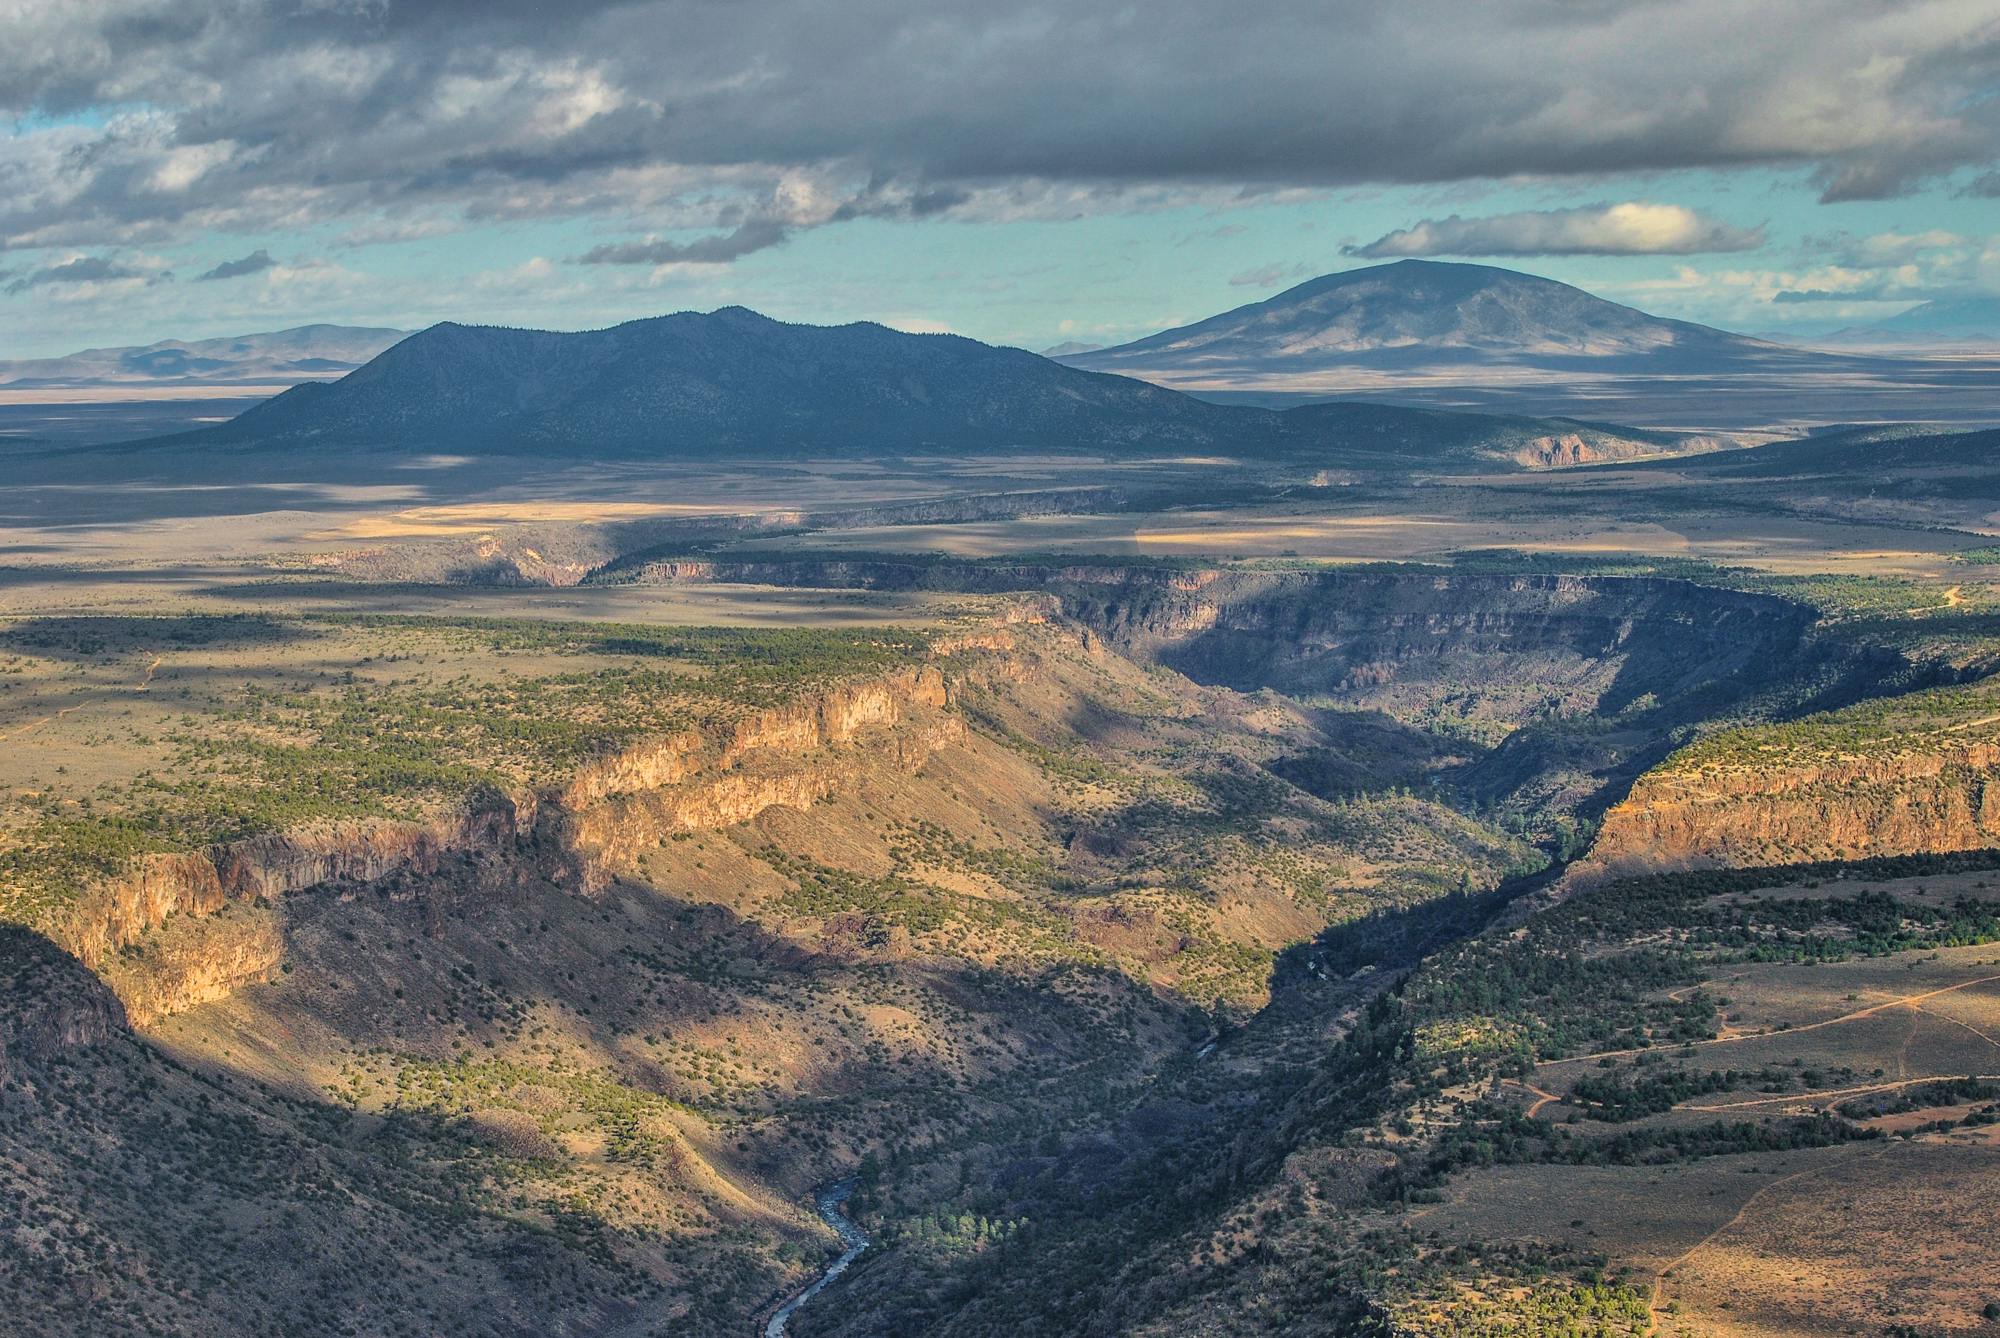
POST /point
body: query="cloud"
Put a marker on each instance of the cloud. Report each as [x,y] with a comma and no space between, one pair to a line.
[254,263]
[756,235]
[1890,267]
[1219,233]
[1865,287]
[85,270]
[1838,277]
[674,115]
[1628,229]
[1890,248]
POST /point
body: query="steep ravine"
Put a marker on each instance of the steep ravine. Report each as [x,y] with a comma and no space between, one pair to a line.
[1562,689]
[830,1203]
[1556,689]
[1371,635]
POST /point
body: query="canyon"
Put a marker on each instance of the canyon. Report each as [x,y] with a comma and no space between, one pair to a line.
[1070,868]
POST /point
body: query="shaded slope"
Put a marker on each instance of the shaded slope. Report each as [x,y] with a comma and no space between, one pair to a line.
[734,383]
[1416,313]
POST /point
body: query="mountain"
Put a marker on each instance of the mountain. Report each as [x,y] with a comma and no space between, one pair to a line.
[1969,319]
[1069,347]
[735,383]
[280,357]
[1974,314]
[732,381]
[1420,314]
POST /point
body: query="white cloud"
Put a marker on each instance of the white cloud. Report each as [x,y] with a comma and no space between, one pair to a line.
[181,167]
[1631,228]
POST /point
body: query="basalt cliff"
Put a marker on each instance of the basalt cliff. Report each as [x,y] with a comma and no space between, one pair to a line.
[1935,794]
[180,929]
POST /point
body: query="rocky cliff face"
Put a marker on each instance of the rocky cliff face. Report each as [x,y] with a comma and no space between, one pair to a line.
[181,929]
[53,1004]
[1523,644]
[913,573]
[1558,449]
[1591,643]
[790,756]
[119,912]
[1941,797]
[1528,668]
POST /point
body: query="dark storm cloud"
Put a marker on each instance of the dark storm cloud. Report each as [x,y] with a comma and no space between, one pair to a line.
[718,250]
[256,262]
[84,269]
[248,113]
[880,198]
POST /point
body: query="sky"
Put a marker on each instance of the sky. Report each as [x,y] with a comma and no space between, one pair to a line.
[1023,173]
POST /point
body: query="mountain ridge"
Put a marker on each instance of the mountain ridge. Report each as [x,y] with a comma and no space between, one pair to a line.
[281,357]
[1414,312]
[736,382]
[728,379]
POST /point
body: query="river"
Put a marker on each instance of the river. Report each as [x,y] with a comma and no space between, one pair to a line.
[828,1202]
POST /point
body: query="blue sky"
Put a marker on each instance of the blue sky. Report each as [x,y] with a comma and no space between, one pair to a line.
[1018,173]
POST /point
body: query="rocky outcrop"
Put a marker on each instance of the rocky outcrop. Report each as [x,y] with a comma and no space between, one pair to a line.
[120,911]
[790,756]
[1940,795]
[827,719]
[181,929]
[52,1004]
[1591,446]
[667,760]
[195,960]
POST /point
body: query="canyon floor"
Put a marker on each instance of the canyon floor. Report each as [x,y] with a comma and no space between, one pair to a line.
[1183,899]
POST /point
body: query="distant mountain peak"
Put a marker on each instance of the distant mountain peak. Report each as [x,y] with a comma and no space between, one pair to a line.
[736,384]
[272,358]
[1967,314]
[731,381]
[1411,313]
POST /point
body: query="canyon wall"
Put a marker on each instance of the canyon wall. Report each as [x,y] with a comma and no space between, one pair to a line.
[1526,642]
[1941,795]
[1373,635]
[53,1004]
[180,929]
[1486,651]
